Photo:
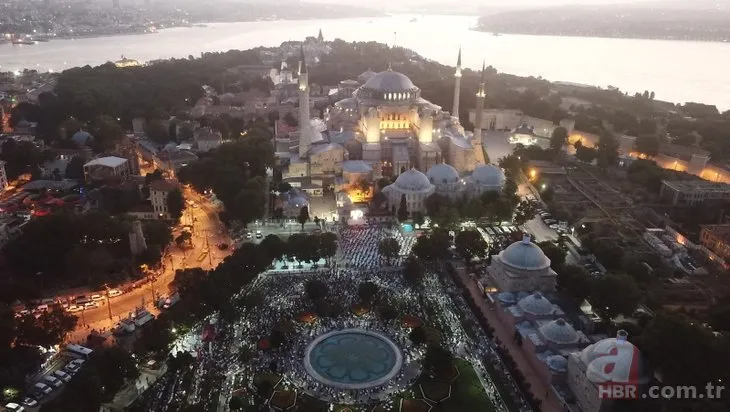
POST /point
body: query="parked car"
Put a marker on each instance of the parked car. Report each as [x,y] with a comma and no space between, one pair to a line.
[97,297]
[62,375]
[90,305]
[41,308]
[42,388]
[114,292]
[259,235]
[74,308]
[249,235]
[29,402]
[52,381]
[14,407]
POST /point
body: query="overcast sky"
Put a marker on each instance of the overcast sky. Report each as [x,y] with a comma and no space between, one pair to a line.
[502,4]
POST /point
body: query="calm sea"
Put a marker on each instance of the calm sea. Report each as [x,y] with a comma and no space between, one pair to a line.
[676,71]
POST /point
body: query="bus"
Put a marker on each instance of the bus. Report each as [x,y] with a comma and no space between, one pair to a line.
[80,351]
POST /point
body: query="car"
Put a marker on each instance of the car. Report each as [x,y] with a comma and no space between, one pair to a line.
[78,362]
[14,407]
[114,292]
[72,368]
[29,402]
[249,235]
[52,381]
[41,308]
[74,308]
[97,297]
[90,305]
[42,388]
[62,375]
[259,235]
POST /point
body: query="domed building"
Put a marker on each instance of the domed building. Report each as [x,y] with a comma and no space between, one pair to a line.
[446,179]
[412,184]
[522,266]
[558,333]
[486,178]
[398,129]
[292,202]
[612,361]
[536,306]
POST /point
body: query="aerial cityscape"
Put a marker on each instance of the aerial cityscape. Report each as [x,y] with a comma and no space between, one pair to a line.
[323,224]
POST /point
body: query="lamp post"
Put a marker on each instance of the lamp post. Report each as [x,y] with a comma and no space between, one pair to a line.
[108,302]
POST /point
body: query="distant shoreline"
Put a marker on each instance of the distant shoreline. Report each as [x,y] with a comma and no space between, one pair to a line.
[606,36]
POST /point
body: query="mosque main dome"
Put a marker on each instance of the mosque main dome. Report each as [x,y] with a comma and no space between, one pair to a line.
[413,181]
[389,86]
[525,255]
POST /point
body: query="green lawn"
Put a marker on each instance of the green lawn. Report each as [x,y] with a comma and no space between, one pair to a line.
[467,393]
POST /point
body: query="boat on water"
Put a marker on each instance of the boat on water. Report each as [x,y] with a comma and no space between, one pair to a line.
[23,41]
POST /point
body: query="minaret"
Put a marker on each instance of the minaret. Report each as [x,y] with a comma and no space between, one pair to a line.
[478,116]
[304,135]
[457,86]
[320,38]
[480,107]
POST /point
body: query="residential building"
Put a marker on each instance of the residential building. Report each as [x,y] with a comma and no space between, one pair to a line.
[716,238]
[159,191]
[103,168]
[693,192]
[207,139]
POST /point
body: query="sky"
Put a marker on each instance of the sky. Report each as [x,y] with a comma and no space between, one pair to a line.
[507,4]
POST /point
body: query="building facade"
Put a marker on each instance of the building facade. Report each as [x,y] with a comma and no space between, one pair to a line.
[716,238]
[693,192]
[106,167]
[414,186]
[159,191]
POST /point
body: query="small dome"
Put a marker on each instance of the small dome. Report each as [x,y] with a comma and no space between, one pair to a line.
[442,173]
[557,363]
[488,175]
[613,360]
[507,297]
[389,81]
[524,255]
[413,181]
[536,304]
[82,137]
[559,331]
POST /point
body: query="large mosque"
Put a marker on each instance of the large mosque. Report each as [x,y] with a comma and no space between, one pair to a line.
[387,125]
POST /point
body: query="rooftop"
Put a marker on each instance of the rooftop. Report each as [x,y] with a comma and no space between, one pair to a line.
[721,231]
[108,161]
[163,185]
[696,185]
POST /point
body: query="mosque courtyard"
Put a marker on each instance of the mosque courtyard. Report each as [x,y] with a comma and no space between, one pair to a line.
[341,338]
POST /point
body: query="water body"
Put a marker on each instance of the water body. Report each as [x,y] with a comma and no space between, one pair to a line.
[677,71]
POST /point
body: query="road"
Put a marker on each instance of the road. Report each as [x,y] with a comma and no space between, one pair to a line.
[207,231]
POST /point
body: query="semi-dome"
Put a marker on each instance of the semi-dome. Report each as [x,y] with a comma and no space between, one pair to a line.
[413,181]
[613,360]
[559,331]
[524,255]
[488,175]
[536,304]
[389,81]
[442,173]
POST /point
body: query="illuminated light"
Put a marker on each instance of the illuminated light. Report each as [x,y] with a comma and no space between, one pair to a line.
[357,214]
[533,173]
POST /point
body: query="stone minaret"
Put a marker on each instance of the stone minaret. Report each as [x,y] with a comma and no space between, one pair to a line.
[478,120]
[304,133]
[457,87]
[480,108]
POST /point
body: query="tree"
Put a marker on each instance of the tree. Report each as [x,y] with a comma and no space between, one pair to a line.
[470,244]
[114,367]
[272,246]
[250,202]
[327,244]
[389,248]
[438,360]
[417,336]
[524,212]
[303,216]
[49,329]
[106,132]
[558,140]
[157,132]
[75,168]
[614,295]
[683,351]
[554,253]
[647,144]
[607,149]
[316,290]
[367,291]
[436,203]
[403,209]
[575,280]
[413,271]
[175,203]
[608,253]
[584,153]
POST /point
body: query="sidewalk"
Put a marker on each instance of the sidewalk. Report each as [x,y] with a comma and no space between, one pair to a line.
[539,388]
